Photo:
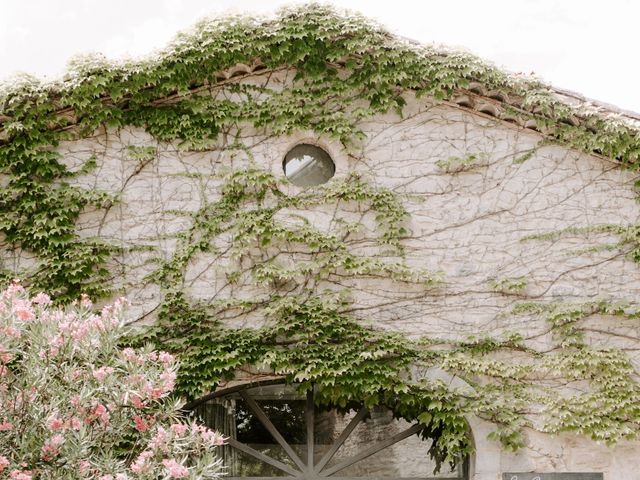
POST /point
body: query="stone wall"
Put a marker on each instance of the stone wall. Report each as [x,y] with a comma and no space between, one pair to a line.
[467,224]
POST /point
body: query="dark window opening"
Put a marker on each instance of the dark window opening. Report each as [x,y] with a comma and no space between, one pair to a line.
[275,432]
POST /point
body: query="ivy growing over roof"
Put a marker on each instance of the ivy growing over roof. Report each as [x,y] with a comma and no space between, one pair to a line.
[346,70]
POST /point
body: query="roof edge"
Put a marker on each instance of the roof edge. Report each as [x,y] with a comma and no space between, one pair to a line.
[589,125]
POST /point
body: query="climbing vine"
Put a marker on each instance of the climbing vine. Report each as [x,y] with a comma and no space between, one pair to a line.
[39,207]
[290,277]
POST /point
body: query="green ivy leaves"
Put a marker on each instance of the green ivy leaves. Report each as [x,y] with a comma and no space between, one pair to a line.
[341,70]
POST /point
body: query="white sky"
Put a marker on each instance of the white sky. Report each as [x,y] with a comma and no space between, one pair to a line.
[588,46]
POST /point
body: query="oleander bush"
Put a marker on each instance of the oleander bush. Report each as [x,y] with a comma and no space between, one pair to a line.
[74,405]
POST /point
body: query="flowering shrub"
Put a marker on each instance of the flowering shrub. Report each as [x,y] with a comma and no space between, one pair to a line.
[75,406]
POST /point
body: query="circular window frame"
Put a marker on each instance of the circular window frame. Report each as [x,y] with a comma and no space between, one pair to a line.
[324,155]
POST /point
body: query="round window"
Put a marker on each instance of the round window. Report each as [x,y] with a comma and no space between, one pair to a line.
[307,165]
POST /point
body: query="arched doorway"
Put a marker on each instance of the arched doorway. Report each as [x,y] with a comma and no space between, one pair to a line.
[275,432]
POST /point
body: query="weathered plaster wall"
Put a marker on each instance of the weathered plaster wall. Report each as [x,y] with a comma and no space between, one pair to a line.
[468,225]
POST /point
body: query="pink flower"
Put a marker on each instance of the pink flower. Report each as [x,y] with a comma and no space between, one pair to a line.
[80,332]
[54,345]
[106,477]
[140,465]
[101,373]
[175,469]
[217,439]
[159,440]
[75,423]
[51,447]
[84,466]
[12,332]
[4,462]
[168,380]
[85,301]
[99,412]
[20,475]
[179,429]
[140,424]
[136,401]
[155,393]
[129,354]
[208,435]
[165,357]
[23,310]
[120,304]
[24,314]
[14,288]
[5,426]
[55,424]
[42,299]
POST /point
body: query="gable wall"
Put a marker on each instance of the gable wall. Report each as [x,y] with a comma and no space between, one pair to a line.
[467,225]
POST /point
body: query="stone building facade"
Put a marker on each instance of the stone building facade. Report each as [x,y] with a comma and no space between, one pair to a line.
[479,187]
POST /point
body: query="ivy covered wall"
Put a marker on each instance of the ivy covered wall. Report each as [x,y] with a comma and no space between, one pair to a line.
[449,245]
